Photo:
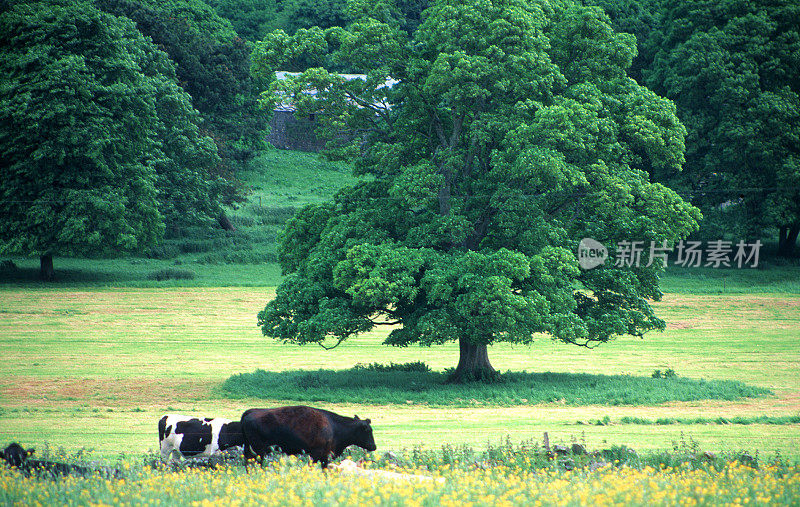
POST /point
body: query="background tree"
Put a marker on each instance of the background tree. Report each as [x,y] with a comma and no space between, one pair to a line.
[252,19]
[732,69]
[513,132]
[99,144]
[212,64]
[638,18]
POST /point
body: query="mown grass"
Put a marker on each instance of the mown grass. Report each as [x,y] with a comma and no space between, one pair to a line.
[97,368]
[513,388]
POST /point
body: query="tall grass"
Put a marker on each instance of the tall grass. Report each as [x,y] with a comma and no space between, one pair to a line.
[503,475]
[359,385]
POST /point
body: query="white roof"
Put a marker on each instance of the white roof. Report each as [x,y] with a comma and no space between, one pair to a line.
[283,74]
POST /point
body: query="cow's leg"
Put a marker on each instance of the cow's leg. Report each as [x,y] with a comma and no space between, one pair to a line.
[167,454]
[247,455]
[322,456]
[250,453]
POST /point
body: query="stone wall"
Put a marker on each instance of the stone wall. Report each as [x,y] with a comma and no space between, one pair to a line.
[288,132]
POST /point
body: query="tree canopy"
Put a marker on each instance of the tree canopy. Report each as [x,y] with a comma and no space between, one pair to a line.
[733,70]
[212,64]
[99,144]
[510,132]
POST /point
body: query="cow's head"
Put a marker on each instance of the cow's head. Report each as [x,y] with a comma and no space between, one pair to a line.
[363,434]
[15,455]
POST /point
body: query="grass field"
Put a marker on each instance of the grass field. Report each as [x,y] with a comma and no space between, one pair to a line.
[96,368]
[93,361]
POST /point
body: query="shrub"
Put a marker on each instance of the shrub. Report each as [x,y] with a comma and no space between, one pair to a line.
[413,366]
[171,274]
[164,251]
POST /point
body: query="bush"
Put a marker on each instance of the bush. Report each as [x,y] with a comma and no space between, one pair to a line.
[413,366]
[164,251]
[171,274]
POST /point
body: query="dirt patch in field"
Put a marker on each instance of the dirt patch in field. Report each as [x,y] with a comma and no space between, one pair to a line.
[49,392]
[681,324]
[782,402]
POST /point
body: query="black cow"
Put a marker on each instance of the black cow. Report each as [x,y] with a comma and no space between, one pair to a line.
[194,437]
[321,434]
[15,455]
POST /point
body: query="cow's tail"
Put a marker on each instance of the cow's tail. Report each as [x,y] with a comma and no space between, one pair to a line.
[162,428]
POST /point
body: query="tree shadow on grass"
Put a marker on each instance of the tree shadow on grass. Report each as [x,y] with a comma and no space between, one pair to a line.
[30,277]
[513,388]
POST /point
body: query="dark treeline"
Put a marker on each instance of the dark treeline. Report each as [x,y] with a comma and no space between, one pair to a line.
[732,67]
[123,121]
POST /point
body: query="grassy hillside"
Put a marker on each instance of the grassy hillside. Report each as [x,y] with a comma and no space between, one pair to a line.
[278,182]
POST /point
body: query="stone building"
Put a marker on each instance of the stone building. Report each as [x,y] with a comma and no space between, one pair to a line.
[287,131]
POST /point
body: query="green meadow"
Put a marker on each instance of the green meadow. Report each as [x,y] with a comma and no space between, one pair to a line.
[93,360]
[96,368]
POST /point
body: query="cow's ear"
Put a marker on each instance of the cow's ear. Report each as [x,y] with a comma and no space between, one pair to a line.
[31,451]
[367,421]
[2,455]
[356,418]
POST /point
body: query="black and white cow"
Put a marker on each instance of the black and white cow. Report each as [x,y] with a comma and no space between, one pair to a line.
[193,437]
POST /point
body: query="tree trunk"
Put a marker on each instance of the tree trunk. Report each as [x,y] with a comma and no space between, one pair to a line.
[46,271]
[787,239]
[225,222]
[473,363]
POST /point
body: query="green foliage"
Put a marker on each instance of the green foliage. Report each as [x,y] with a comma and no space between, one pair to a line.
[213,65]
[251,19]
[732,69]
[172,274]
[638,18]
[302,14]
[100,145]
[254,19]
[413,384]
[513,133]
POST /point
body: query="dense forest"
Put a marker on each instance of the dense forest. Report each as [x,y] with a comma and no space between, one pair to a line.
[124,121]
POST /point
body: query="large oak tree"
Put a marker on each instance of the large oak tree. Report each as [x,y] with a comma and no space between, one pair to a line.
[510,133]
